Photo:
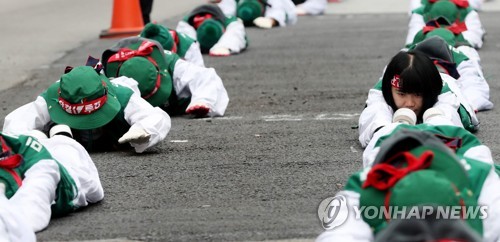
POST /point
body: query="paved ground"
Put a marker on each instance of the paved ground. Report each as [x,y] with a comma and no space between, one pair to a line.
[286,143]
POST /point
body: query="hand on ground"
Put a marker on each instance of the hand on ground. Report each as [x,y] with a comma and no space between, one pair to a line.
[220,51]
[199,110]
[263,22]
[135,135]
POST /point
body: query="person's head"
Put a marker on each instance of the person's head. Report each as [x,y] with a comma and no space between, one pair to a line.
[208,33]
[152,81]
[161,34]
[209,22]
[411,81]
[415,168]
[248,10]
[144,61]
[82,99]
[443,9]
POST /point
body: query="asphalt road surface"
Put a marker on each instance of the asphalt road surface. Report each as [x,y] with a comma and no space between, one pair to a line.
[286,143]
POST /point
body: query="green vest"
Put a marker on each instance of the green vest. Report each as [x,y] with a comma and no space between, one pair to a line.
[32,152]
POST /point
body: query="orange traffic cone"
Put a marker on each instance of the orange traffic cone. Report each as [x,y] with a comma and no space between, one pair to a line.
[126,21]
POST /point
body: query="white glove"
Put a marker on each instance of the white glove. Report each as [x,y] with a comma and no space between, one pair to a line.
[300,11]
[220,51]
[263,22]
[135,135]
[199,110]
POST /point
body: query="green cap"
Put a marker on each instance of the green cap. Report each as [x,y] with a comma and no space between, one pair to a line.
[82,99]
[248,10]
[159,33]
[443,9]
[151,80]
[209,33]
[445,34]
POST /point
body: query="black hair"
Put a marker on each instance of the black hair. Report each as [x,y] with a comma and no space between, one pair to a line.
[418,75]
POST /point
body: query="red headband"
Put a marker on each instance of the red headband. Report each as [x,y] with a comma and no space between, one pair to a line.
[85,107]
[396,81]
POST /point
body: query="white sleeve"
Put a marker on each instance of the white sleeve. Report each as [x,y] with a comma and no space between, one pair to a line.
[475,30]
[414,4]
[140,114]
[476,4]
[353,229]
[193,55]
[34,115]
[283,11]
[472,53]
[314,7]
[490,197]
[371,151]
[449,104]
[456,98]
[228,7]
[376,114]
[78,163]
[184,27]
[35,197]
[473,85]
[13,225]
[234,37]
[480,153]
[415,24]
[202,84]
[127,82]
[460,98]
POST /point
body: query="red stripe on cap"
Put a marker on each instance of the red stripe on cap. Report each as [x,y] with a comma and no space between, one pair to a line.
[85,107]
[145,49]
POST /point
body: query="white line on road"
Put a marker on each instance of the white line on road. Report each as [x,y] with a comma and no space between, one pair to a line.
[293,117]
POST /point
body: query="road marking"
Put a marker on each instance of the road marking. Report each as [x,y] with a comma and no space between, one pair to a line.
[291,117]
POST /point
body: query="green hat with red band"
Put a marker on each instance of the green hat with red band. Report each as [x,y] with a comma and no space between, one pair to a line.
[82,99]
[143,60]
[415,168]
